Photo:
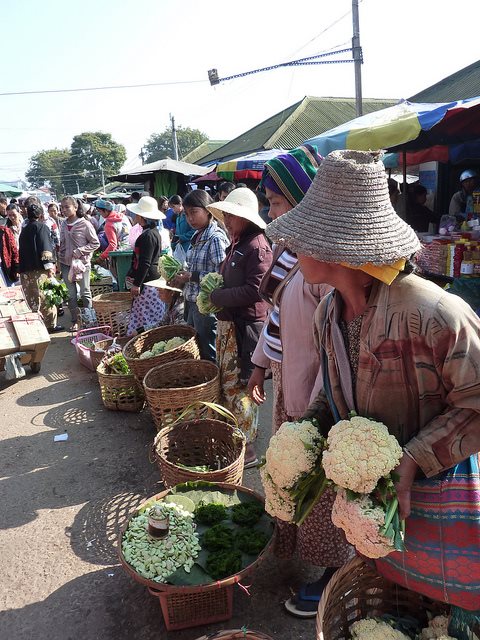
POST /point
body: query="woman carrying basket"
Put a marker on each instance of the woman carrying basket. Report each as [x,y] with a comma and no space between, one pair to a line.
[400,350]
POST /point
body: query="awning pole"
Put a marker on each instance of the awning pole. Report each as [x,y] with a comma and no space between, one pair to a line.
[404,194]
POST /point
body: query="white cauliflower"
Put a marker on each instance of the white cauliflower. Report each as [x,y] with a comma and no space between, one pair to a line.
[361,522]
[359,452]
[370,629]
[437,629]
[292,452]
[173,343]
[277,501]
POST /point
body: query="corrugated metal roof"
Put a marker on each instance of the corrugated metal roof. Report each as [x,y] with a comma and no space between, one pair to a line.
[458,86]
[207,147]
[295,124]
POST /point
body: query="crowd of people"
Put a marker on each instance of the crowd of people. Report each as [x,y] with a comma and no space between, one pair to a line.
[325,298]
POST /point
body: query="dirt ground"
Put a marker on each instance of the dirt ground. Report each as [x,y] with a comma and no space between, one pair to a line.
[61,506]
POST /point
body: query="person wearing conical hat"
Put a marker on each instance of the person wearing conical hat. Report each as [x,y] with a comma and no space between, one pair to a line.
[395,348]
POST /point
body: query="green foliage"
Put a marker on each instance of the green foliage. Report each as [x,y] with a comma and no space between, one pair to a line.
[48,167]
[217,537]
[210,513]
[91,152]
[223,564]
[160,145]
[247,513]
[251,541]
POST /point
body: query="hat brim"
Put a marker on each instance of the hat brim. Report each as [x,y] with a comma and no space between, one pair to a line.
[160,283]
[219,208]
[150,215]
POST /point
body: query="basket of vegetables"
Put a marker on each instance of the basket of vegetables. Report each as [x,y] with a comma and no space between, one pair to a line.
[190,544]
[172,387]
[100,284]
[360,604]
[119,389]
[84,343]
[159,346]
[201,448]
[113,309]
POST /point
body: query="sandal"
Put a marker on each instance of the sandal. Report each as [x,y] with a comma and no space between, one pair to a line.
[305,603]
[250,463]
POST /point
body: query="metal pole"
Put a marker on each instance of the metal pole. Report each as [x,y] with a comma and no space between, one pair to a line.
[103,178]
[174,138]
[357,58]
[78,187]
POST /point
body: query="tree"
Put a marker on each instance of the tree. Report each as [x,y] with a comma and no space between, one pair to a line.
[160,145]
[92,155]
[47,168]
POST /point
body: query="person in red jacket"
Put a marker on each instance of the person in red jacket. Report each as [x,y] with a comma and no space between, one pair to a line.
[243,311]
[117,226]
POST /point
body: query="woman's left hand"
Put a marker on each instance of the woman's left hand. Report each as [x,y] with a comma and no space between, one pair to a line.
[135,291]
[406,470]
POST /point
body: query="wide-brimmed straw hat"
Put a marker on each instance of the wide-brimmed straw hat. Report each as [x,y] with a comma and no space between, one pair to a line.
[241,202]
[346,215]
[146,207]
[161,283]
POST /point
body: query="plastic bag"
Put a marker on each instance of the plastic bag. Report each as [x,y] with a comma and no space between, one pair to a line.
[76,271]
[180,255]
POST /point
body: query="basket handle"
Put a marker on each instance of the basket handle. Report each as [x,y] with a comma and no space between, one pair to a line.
[92,330]
[222,411]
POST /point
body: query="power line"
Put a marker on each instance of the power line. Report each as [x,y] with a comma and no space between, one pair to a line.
[119,86]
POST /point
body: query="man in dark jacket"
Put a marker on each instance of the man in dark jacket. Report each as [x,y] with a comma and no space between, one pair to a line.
[37,265]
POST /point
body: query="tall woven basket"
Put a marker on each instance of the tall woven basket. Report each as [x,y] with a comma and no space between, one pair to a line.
[236,634]
[120,392]
[113,309]
[145,341]
[196,443]
[172,387]
[356,591]
[190,606]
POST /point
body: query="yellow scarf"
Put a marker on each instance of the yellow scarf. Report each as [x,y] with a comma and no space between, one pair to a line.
[385,273]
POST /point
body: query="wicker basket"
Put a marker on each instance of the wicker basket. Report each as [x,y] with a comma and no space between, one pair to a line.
[200,442]
[114,309]
[236,634]
[87,354]
[120,392]
[146,340]
[97,288]
[191,606]
[356,591]
[172,387]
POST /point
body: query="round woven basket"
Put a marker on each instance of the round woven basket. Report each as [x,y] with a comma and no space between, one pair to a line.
[190,606]
[356,591]
[136,346]
[236,634]
[100,348]
[172,387]
[200,442]
[113,309]
[120,392]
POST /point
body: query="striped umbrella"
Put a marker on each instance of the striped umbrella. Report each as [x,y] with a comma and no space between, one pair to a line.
[249,166]
[436,129]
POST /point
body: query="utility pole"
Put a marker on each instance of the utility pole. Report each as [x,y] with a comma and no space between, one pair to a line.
[357,58]
[78,187]
[141,155]
[103,177]
[174,138]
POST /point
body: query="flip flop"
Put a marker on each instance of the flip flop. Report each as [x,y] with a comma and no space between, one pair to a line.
[250,464]
[291,607]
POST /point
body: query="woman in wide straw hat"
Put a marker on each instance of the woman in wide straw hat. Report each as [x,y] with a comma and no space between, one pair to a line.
[396,348]
[147,308]
[287,347]
[243,311]
[172,299]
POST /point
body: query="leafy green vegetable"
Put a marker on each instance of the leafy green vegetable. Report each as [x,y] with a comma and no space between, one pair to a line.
[169,267]
[116,364]
[207,284]
[54,292]
[247,513]
[162,346]
[217,537]
[210,514]
[251,541]
[224,563]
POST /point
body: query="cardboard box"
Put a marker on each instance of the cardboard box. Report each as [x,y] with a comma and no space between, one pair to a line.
[30,330]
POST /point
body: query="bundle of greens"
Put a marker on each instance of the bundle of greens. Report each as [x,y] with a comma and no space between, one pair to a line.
[210,514]
[217,538]
[116,365]
[55,292]
[208,283]
[169,267]
[247,514]
[251,541]
[224,563]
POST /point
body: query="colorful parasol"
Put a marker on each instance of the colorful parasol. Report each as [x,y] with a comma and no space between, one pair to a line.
[441,131]
[249,166]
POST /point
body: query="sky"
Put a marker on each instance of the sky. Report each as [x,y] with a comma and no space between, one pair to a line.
[57,44]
